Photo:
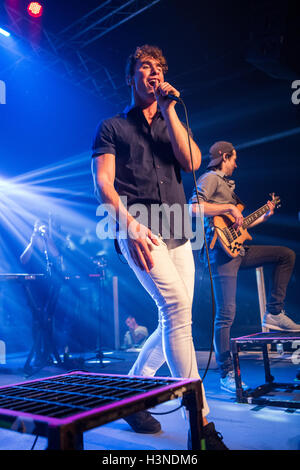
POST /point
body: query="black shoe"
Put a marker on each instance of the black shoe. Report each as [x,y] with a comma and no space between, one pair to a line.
[143,422]
[213,439]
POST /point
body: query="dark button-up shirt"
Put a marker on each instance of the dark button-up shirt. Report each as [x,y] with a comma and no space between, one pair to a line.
[147,171]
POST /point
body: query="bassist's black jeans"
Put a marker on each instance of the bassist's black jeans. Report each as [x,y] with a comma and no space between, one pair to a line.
[225,271]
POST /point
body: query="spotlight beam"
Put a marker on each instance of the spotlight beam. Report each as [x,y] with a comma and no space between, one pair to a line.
[4,33]
[64,164]
[269,138]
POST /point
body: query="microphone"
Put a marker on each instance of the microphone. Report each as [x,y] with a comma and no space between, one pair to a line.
[173,97]
[169,95]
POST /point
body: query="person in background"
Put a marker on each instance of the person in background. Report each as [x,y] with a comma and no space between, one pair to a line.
[136,335]
[217,197]
[42,257]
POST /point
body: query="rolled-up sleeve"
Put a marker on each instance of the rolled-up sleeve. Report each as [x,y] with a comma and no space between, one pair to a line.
[104,140]
[206,185]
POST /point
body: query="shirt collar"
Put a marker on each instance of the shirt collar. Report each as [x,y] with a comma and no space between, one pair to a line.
[132,109]
[128,109]
[230,182]
[220,173]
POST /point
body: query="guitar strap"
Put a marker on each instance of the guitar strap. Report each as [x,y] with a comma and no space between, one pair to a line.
[213,242]
[238,201]
[231,183]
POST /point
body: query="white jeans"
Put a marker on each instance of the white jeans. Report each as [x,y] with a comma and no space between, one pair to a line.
[171,285]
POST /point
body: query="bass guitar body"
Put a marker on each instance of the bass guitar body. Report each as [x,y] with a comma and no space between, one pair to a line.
[230,239]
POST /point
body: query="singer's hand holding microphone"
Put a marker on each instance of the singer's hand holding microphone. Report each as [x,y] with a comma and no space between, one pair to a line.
[166,94]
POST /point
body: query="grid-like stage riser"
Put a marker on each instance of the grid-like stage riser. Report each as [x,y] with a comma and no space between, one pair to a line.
[68,395]
[63,407]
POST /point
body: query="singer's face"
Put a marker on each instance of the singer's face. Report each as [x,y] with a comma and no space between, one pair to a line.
[147,77]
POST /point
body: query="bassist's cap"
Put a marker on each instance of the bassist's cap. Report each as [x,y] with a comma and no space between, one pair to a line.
[216,152]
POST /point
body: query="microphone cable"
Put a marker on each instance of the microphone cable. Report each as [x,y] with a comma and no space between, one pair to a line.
[179,100]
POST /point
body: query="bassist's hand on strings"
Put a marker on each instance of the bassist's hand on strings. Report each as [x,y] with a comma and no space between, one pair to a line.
[236,213]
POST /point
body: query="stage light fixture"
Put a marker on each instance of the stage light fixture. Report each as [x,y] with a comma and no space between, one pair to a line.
[35,9]
[5,33]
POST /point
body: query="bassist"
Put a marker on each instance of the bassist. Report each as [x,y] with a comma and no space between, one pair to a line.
[217,198]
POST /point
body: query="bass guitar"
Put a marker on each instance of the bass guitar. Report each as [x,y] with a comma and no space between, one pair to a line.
[232,239]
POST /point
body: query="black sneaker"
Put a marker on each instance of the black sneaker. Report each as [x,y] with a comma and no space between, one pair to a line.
[213,439]
[143,422]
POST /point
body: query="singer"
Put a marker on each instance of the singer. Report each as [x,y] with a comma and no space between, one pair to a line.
[139,154]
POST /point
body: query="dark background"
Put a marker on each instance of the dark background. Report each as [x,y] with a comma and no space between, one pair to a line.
[234,63]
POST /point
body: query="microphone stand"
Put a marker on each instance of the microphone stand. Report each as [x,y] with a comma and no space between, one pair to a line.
[49,308]
[99,355]
[48,264]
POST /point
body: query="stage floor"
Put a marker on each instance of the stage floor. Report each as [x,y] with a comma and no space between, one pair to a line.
[244,426]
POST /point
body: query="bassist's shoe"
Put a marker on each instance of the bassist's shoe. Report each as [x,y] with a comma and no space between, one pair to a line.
[228,383]
[280,322]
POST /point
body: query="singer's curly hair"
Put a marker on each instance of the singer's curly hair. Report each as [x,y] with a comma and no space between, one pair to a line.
[140,53]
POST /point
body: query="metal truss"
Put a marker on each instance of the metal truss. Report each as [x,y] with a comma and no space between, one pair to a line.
[107,16]
[64,52]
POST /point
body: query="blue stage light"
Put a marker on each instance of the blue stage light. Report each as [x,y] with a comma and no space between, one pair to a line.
[4,32]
